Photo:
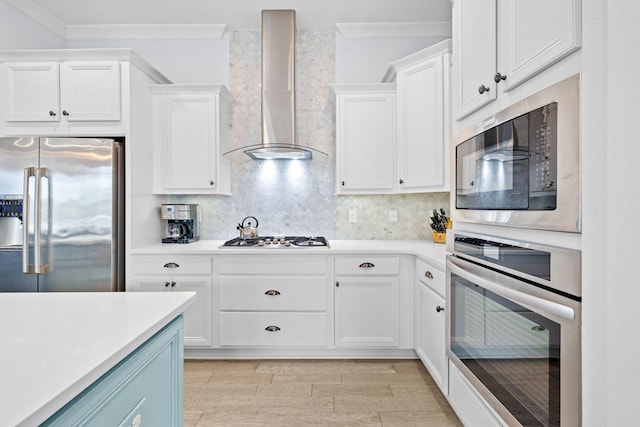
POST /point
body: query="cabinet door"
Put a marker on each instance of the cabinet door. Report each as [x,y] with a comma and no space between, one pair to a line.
[474,50]
[187,160]
[198,320]
[198,328]
[421,136]
[367,312]
[534,34]
[32,92]
[90,90]
[366,142]
[430,335]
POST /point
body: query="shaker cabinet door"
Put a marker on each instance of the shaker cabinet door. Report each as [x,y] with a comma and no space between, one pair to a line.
[32,92]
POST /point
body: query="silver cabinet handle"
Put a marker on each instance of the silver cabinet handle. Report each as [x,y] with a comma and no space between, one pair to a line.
[272,292]
[367,265]
[171,265]
[439,308]
[428,274]
[272,328]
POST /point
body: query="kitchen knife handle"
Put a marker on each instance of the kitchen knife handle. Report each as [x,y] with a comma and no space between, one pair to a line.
[367,265]
[26,211]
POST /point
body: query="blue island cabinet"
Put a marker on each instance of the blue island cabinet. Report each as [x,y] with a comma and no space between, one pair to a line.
[144,389]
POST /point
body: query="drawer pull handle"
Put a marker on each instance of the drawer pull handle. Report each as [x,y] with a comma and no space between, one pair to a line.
[272,328]
[439,308]
[272,292]
[428,274]
[367,265]
[171,265]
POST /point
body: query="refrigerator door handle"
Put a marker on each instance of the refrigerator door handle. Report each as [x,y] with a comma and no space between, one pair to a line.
[37,241]
[26,206]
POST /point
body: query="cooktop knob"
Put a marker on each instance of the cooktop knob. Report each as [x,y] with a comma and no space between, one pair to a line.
[287,243]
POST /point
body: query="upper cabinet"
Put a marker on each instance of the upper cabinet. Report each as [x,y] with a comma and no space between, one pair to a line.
[393,137]
[498,44]
[191,131]
[67,91]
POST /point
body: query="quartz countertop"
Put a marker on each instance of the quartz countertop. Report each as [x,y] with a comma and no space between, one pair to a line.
[430,251]
[54,345]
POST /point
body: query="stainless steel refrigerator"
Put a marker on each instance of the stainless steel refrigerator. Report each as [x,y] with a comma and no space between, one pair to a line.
[61,214]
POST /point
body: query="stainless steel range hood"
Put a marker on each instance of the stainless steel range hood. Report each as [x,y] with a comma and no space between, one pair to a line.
[278,94]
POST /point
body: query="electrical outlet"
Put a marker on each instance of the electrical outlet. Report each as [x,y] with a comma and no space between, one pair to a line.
[393,215]
[352,216]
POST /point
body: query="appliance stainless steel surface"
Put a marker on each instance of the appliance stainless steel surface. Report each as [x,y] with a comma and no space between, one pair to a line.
[181,223]
[63,199]
[513,326]
[278,242]
[521,167]
[278,94]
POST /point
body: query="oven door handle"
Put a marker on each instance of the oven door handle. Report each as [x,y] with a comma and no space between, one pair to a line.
[470,272]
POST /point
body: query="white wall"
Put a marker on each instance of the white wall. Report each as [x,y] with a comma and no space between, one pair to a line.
[181,61]
[360,60]
[17,31]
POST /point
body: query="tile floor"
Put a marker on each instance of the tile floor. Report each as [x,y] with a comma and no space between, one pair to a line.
[312,393]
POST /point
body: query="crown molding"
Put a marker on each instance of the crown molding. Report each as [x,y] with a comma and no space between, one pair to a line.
[146,32]
[395,29]
[39,15]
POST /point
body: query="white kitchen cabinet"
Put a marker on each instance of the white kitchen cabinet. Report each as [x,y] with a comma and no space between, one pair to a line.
[191,130]
[274,301]
[367,302]
[498,44]
[430,339]
[64,91]
[181,273]
[365,138]
[423,94]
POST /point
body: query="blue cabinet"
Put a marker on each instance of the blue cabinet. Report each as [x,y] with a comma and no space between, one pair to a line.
[145,389]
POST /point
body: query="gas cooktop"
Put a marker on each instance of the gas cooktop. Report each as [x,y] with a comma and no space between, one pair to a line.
[278,242]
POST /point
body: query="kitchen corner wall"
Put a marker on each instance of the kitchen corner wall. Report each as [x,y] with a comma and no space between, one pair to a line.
[296,197]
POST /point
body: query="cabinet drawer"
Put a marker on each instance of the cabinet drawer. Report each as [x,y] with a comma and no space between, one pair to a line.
[168,264]
[289,329]
[371,265]
[273,264]
[273,293]
[431,277]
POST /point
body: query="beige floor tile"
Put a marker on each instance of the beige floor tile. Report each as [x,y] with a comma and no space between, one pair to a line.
[191,418]
[310,378]
[304,366]
[372,390]
[408,390]
[423,419]
[240,377]
[291,418]
[205,396]
[284,389]
[386,404]
[348,378]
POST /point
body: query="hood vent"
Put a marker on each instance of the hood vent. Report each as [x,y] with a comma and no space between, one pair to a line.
[278,93]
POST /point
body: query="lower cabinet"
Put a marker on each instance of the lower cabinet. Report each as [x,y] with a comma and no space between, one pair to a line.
[145,389]
[430,334]
[181,273]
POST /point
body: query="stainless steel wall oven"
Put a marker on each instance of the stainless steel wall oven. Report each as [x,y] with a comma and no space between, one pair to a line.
[513,326]
[521,167]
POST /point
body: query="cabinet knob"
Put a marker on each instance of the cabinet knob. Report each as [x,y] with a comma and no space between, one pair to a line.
[367,265]
[272,328]
[65,113]
[173,284]
[52,114]
[499,77]
[171,265]
[211,182]
[343,183]
[402,181]
[166,284]
[272,292]
[482,89]
[428,274]
[337,284]
[439,308]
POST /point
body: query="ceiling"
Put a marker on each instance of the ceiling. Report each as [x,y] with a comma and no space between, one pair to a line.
[234,14]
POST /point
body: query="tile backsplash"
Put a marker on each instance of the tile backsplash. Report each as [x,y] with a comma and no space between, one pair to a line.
[296,197]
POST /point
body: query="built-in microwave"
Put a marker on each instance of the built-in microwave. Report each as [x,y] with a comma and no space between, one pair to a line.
[521,167]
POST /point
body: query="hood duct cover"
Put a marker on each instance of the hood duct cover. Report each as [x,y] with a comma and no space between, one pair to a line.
[278,93]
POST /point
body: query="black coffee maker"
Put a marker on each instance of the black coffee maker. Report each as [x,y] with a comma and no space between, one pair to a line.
[181,223]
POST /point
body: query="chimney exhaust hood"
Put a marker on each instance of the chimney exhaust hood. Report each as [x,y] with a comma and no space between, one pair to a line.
[278,94]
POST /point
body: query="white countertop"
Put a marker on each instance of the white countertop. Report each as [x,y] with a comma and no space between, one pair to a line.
[54,345]
[433,252]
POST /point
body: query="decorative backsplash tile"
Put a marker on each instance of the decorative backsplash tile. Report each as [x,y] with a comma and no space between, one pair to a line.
[296,197]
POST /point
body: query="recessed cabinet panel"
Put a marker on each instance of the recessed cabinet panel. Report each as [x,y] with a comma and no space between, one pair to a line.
[430,335]
[32,90]
[90,90]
